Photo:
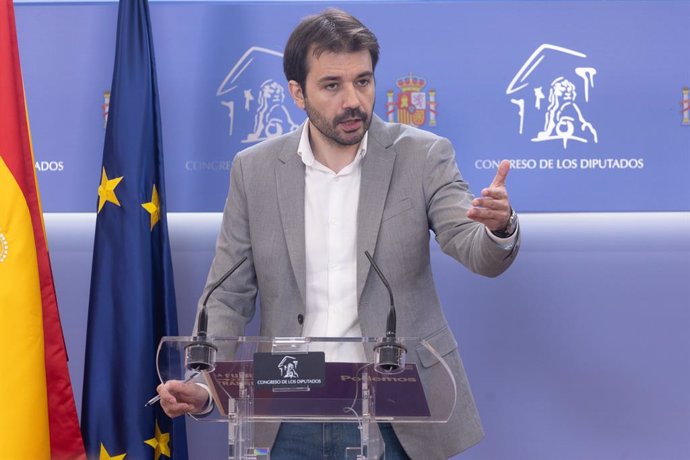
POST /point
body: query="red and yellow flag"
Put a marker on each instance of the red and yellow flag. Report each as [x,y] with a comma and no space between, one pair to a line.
[38,417]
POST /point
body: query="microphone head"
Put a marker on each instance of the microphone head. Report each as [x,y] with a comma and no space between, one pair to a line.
[200,356]
[390,357]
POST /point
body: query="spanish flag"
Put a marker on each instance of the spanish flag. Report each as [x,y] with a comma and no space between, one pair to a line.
[38,418]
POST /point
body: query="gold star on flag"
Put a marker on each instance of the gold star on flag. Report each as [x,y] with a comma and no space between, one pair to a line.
[106,191]
[153,207]
[159,442]
[106,456]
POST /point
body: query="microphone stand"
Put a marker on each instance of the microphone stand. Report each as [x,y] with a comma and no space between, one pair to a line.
[200,355]
[390,354]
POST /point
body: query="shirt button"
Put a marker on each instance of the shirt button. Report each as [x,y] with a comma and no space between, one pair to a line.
[300,318]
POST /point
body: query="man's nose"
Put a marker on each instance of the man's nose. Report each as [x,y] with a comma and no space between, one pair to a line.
[350,97]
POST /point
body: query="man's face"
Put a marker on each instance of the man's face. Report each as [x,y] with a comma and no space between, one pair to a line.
[338,96]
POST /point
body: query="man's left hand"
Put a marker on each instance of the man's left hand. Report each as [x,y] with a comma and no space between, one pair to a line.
[492,208]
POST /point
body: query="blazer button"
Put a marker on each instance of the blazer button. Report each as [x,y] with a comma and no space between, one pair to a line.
[300,318]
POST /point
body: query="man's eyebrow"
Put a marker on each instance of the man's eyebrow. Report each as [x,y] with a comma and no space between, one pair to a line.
[334,78]
[329,78]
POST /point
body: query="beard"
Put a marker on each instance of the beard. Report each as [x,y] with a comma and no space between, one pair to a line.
[330,128]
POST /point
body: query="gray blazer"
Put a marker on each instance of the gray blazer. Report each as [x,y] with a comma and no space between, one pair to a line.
[410,184]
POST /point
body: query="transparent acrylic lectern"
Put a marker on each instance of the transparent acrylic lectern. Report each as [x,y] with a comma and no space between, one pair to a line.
[255,380]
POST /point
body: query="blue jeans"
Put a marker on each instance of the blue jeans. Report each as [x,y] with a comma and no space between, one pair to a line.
[317,441]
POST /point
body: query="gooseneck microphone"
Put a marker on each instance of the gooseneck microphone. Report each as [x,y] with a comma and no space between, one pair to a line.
[390,354]
[202,326]
[391,322]
[200,355]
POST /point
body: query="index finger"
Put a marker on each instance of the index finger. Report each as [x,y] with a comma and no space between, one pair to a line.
[501,174]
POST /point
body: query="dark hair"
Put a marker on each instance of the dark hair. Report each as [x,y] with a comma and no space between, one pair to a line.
[332,30]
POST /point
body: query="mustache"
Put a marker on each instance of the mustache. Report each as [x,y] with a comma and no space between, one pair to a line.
[352,113]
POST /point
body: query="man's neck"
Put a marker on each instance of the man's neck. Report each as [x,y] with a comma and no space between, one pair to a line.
[332,155]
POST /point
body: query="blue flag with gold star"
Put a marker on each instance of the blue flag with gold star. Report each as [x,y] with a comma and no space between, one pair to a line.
[132,301]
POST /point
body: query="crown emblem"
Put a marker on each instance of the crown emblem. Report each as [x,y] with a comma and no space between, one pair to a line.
[410,83]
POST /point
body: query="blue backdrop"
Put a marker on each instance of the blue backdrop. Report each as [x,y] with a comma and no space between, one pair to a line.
[584,97]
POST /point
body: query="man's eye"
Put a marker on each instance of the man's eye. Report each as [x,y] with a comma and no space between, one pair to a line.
[363,82]
[331,86]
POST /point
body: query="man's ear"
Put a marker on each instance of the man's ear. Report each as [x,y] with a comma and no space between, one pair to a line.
[296,93]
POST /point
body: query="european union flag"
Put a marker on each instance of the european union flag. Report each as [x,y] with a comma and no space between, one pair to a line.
[132,303]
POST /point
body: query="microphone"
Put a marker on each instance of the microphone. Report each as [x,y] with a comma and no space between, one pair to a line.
[390,355]
[200,355]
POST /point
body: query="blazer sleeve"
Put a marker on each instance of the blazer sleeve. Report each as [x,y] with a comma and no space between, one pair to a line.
[232,305]
[448,199]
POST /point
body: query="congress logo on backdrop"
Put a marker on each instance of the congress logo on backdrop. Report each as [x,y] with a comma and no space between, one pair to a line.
[411,105]
[256,99]
[552,90]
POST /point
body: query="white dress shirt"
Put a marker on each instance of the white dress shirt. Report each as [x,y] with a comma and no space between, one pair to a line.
[330,222]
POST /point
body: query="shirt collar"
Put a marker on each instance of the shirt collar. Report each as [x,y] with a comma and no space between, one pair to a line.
[307,154]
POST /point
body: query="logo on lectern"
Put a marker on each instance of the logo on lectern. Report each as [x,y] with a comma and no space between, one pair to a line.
[279,370]
[288,367]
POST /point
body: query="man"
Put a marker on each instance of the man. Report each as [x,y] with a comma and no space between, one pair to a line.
[304,207]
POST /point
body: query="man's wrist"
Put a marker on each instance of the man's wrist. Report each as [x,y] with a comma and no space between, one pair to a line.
[510,228]
[208,405]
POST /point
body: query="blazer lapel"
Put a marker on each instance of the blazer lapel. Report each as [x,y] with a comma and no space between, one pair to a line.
[377,169]
[290,190]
